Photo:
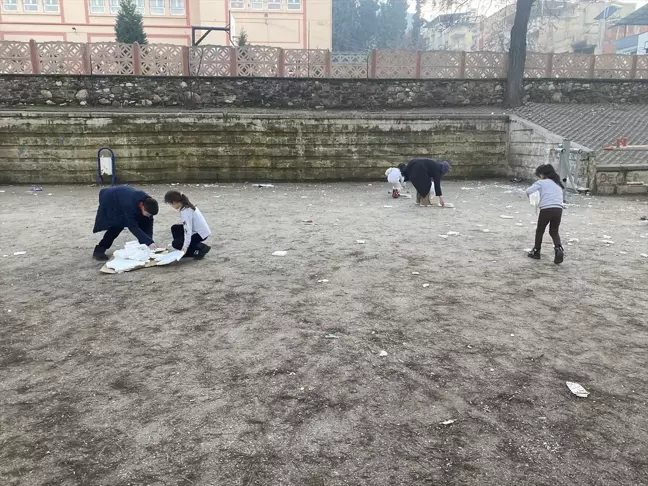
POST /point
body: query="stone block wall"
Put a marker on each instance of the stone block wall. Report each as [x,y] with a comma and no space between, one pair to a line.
[56,147]
[115,92]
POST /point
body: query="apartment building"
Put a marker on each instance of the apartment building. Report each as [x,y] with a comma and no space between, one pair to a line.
[291,24]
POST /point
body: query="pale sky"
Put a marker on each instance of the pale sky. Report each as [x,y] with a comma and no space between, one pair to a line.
[483,7]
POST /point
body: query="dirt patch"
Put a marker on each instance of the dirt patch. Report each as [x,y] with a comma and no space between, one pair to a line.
[219,372]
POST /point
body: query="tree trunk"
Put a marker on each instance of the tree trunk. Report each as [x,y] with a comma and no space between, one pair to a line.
[517,53]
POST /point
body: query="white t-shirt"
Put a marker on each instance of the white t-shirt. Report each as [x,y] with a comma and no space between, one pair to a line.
[193,222]
[394,176]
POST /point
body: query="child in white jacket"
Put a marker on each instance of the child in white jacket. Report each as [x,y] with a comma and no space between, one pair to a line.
[396,179]
[188,236]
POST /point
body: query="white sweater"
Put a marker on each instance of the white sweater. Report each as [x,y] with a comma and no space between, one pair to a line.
[193,222]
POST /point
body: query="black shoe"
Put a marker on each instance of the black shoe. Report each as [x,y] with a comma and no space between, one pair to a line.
[535,254]
[99,254]
[201,251]
[560,255]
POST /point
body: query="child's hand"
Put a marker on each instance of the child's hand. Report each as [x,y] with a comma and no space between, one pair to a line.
[184,251]
[153,246]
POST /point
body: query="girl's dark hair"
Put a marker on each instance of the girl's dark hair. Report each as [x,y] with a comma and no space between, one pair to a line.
[176,196]
[549,172]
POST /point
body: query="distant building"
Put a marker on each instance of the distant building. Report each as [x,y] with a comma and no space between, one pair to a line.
[452,32]
[628,35]
[293,24]
[554,26]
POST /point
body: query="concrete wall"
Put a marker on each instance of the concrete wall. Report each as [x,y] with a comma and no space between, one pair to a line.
[37,147]
[530,145]
[622,179]
[366,94]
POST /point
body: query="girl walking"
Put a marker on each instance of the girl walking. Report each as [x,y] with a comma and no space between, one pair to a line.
[551,208]
[188,236]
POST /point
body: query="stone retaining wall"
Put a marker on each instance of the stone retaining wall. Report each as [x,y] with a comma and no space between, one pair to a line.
[116,92]
[58,147]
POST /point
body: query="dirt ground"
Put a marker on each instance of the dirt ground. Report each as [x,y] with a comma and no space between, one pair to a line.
[219,372]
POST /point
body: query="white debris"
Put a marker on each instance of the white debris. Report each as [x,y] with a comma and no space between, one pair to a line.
[607,237]
[519,224]
[133,250]
[263,185]
[453,233]
[415,273]
[280,253]
[382,353]
[387,206]
[574,240]
[360,242]
[467,188]
[528,249]
[124,265]
[623,253]
[607,242]
[449,205]
[644,255]
[322,281]
[577,389]
[425,286]
[486,231]
[448,422]
[17,253]
[443,236]
[504,216]
[50,194]
[168,258]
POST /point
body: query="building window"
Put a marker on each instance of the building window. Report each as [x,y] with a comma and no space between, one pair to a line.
[114,6]
[294,4]
[237,4]
[10,5]
[156,7]
[274,4]
[30,5]
[140,6]
[97,6]
[177,7]
[256,4]
[51,6]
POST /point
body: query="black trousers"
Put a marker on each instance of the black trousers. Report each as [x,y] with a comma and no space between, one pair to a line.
[177,231]
[111,234]
[551,217]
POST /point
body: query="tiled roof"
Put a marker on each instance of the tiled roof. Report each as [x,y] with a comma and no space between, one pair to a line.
[595,126]
[638,17]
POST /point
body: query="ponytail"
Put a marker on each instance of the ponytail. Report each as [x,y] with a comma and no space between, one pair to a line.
[176,196]
[548,172]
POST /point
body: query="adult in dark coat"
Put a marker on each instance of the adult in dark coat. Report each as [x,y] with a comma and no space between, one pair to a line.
[124,207]
[421,173]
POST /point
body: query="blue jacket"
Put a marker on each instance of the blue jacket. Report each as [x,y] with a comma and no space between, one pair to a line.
[119,208]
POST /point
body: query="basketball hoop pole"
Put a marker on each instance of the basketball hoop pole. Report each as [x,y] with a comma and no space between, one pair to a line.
[207,30]
[230,29]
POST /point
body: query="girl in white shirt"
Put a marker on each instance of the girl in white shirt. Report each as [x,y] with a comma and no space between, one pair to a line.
[189,235]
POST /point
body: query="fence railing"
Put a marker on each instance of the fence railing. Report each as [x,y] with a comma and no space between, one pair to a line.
[102,58]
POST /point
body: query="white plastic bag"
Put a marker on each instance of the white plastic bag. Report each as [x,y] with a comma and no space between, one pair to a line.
[134,251]
[534,199]
[167,258]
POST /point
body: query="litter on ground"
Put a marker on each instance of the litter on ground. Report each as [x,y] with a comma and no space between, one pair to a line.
[17,253]
[448,422]
[382,353]
[504,216]
[577,389]
[280,253]
[360,242]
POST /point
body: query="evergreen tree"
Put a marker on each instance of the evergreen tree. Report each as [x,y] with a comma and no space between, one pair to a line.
[129,27]
[416,39]
[392,22]
[243,39]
